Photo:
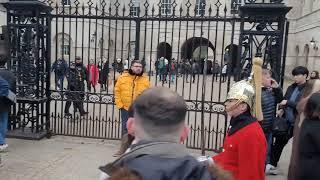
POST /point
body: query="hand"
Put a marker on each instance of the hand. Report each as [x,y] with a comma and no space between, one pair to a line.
[280,113]
[274,83]
[283,103]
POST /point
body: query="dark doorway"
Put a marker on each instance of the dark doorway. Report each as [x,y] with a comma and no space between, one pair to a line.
[230,56]
[192,44]
[196,49]
[164,50]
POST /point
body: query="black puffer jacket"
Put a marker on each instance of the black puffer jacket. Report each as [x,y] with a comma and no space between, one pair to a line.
[270,98]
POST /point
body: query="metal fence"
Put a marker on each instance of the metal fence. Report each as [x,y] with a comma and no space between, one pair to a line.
[110,34]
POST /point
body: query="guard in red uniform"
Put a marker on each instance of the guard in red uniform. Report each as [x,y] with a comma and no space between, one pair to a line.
[245,146]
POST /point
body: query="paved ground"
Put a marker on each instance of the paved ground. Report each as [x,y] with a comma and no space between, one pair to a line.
[70,158]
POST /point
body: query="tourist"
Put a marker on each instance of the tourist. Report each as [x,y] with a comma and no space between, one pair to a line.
[311,87]
[128,87]
[60,69]
[158,125]
[9,79]
[289,113]
[92,75]
[271,95]
[75,89]
[309,141]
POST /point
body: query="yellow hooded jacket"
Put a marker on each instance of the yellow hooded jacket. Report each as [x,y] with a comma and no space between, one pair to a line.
[128,87]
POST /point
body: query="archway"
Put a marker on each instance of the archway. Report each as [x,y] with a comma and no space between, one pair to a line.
[164,50]
[197,49]
[190,45]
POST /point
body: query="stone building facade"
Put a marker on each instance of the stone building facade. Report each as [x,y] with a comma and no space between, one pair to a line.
[104,39]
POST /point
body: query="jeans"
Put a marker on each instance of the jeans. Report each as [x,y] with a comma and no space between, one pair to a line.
[278,145]
[269,147]
[124,118]
[59,81]
[3,126]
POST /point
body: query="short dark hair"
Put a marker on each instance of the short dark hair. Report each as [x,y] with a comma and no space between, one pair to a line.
[312,109]
[135,61]
[300,70]
[160,108]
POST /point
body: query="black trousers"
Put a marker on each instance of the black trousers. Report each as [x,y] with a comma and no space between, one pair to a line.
[279,143]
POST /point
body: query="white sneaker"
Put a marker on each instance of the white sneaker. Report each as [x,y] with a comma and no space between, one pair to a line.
[271,170]
[3,147]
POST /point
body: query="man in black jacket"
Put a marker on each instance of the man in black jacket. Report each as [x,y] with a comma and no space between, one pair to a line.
[158,123]
[288,105]
[4,105]
[75,92]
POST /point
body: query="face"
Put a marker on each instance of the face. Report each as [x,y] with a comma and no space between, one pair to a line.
[91,61]
[233,108]
[78,61]
[266,80]
[313,74]
[300,79]
[136,68]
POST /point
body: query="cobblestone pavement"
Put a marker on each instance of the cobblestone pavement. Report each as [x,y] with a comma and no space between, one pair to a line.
[70,158]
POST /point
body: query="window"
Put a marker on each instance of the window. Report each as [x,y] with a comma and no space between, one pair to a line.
[134,9]
[166,7]
[200,7]
[66,2]
[235,4]
[65,49]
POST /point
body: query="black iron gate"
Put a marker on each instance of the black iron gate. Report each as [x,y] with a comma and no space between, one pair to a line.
[189,35]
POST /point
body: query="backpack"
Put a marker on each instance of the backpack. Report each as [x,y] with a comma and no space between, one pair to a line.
[161,64]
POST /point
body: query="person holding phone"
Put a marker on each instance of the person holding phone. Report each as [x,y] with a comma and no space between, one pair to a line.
[271,95]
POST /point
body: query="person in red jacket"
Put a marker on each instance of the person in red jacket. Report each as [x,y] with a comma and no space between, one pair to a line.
[93,75]
[245,146]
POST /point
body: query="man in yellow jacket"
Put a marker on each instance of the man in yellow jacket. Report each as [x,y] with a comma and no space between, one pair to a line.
[129,85]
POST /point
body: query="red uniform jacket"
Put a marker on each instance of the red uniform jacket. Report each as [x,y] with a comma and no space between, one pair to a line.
[244,150]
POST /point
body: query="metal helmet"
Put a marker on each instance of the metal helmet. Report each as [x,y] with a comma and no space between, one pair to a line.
[243,91]
[249,91]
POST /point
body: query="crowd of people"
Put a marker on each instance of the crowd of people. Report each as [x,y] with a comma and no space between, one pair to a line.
[92,74]
[262,121]
[153,128]
[168,70]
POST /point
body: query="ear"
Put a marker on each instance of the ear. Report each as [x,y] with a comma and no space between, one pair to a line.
[184,133]
[131,126]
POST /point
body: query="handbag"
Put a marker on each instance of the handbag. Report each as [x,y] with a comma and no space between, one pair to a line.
[280,127]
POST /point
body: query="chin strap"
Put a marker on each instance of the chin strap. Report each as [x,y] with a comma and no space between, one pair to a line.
[234,106]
